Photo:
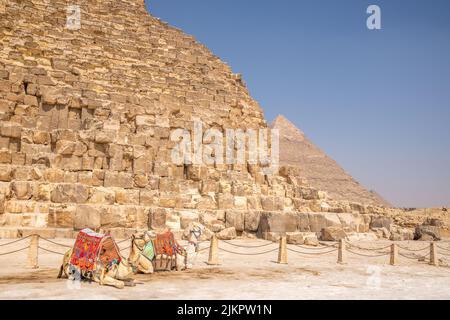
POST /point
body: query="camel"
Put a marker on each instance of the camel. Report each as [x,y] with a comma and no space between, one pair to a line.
[142,264]
[119,276]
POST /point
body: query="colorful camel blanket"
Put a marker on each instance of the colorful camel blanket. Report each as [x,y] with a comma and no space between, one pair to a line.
[166,244]
[90,247]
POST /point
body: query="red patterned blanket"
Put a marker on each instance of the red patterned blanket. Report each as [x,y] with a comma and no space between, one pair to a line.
[90,247]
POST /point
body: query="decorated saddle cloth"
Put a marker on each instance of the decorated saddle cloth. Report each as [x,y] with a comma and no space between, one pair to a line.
[91,247]
[166,244]
[149,251]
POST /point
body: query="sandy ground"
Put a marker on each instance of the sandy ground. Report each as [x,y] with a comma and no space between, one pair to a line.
[244,276]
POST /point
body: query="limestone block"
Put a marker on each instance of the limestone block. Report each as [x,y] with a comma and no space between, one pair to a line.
[381,222]
[240,203]
[332,234]
[54,175]
[102,195]
[295,238]
[118,179]
[173,222]
[148,197]
[21,190]
[167,201]
[10,130]
[157,218]
[187,217]
[319,220]
[270,203]
[141,180]
[277,222]
[227,234]
[61,216]
[161,169]
[235,218]
[18,158]
[87,216]
[225,201]
[43,192]
[65,147]
[125,196]
[254,203]
[6,173]
[252,220]
[70,193]
[5,156]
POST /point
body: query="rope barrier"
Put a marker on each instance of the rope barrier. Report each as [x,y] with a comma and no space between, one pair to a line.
[442,248]
[11,252]
[413,250]
[367,249]
[51,251]
[413,258]
[312,253]
[242,246]
[444,254]
[367,255]
[315,248]
[329,245]
[201,250]
[15,241]
[249,254]
[56,243]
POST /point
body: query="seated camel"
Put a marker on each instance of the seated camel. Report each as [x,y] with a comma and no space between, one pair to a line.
[149,254]
[117,275]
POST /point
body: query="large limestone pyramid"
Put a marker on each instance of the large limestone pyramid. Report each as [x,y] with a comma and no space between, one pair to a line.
[319,169]
[86,111]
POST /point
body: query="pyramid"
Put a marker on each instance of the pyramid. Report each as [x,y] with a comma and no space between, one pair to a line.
[318,168]
[90,93]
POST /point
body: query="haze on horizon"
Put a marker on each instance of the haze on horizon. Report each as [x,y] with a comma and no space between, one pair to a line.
[377,102]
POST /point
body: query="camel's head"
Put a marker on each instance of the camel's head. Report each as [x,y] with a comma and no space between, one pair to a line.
[194,231]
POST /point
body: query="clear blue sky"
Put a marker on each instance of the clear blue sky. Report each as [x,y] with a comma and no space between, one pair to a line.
[378,102]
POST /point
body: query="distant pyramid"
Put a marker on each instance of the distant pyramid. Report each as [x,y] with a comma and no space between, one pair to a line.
[321,171]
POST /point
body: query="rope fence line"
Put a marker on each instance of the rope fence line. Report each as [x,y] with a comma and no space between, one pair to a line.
[11,252]
[242,246]
[368,255]
[15,241]
[315,248]
[368,249]
[204,249]
[51,251]
[413,250]
[312,253]
[442,248]
[434,256]
[248,254]
[413,258]
[55,243]
[444,254]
